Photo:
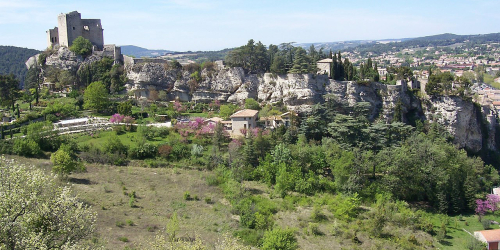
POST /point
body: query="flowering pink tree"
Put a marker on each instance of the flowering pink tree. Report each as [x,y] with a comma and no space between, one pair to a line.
[116,118]
[488,205]
[128,120]
[178,106]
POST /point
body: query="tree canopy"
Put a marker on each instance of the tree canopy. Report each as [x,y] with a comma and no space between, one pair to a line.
[96,97]
[37,213]
[81,46]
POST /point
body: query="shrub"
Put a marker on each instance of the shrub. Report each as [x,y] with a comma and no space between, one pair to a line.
[123,239]
[131,201]
[313,228]
[196,150]
[187,196]
[486,224]
[317,215]
[130,222]
[180,151]
[94,155]
[37,213]
[143,151]
[279,238]
[64,163]
[114,145]
[26,147]
[164,151]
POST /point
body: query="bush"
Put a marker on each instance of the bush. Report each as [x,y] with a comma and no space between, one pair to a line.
[486,224]
[143,151]
[64,163]
[114,145]
[187,196]
[279,238]
[180,151]
[196,150]
[250,236]
[94,155]
[26,147]
[164,151]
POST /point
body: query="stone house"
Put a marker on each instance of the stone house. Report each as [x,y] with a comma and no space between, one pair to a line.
[324,66]
[490,237]
[243,120]
[277,120]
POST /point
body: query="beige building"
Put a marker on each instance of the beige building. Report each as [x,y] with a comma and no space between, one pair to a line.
[243,120]
[324,66]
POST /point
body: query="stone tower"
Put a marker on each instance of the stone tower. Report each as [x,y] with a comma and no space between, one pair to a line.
[70,26]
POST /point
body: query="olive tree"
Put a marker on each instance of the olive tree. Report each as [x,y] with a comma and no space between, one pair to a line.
[36,213]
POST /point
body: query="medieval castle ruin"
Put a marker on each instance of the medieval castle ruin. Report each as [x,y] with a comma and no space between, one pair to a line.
[70,26]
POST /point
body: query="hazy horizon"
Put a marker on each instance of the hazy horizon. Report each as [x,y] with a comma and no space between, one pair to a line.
[196,25]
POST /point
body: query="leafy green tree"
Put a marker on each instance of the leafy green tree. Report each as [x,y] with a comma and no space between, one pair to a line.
[43,134]
[125,108]
[96,97]
[64,163]
[227,110]
[81,46]
[279,239]
[37,213]
[251,103]
[9,90]
[33,81]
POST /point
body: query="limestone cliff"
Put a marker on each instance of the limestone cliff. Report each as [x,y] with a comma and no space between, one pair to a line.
[466,122]
[472,126]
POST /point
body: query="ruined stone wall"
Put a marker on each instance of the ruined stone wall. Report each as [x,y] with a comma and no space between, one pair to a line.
[52,37]
[92,30]
[70,27]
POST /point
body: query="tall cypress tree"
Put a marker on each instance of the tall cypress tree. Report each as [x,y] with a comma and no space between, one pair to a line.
[333,69]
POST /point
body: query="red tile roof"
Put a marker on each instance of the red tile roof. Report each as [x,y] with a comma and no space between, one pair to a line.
[245,113]
[491,235]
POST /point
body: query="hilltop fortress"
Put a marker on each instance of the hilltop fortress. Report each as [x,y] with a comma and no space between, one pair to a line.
[70,26]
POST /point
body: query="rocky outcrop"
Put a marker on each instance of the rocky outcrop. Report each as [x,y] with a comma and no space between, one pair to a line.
[64,59]
[299,92]
[473,127]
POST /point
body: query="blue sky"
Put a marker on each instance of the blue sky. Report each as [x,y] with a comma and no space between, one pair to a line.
[183,25]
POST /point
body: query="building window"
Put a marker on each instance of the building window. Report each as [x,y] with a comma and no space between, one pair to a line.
[73,28]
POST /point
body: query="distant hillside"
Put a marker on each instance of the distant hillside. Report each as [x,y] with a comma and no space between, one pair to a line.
[12,61]
[135,51]
[427,41]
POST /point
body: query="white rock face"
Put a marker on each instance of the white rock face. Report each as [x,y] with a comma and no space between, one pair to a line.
[64,59]
[460,118]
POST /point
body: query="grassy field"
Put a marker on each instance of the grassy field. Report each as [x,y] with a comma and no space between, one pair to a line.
[159,192]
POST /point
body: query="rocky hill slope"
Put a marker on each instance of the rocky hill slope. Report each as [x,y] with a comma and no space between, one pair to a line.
[472,126]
